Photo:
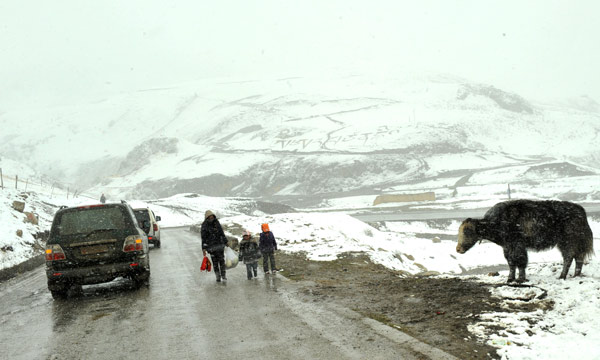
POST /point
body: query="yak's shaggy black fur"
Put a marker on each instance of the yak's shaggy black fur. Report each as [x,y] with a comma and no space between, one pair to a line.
[519,225]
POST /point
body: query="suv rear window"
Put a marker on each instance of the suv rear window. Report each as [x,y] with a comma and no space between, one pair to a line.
[141,215]
[87,220]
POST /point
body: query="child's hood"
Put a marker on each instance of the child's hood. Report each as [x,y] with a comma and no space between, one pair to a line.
[248,240]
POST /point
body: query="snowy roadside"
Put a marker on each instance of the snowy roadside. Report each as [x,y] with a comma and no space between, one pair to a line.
[568,328]
[17,241]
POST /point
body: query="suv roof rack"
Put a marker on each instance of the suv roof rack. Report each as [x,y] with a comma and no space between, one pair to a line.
[62,207]
[123,202]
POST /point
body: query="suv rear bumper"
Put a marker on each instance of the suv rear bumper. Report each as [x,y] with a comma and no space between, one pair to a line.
[153,239]
[95,274]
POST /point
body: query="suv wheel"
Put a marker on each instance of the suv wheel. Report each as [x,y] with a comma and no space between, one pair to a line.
[58,290]
[141,279]
[59,294]
[157,244]
[76,289]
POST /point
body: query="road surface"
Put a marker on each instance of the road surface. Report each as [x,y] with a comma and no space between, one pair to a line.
[186,314]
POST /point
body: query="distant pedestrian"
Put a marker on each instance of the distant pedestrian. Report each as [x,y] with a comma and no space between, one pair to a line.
[249,254]
[267,246]
[214,242]
[103,199]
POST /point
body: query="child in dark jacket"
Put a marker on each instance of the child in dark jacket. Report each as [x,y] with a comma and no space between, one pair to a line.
[249,254]
[267,247]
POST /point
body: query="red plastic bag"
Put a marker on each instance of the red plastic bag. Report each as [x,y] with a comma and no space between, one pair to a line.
[206,265]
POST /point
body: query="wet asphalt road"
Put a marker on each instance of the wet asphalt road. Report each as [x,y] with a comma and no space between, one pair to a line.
[186,314]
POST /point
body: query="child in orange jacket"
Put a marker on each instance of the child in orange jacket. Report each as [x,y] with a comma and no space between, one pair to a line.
[267,246]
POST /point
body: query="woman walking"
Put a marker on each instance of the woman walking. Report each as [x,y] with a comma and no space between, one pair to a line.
[214,242]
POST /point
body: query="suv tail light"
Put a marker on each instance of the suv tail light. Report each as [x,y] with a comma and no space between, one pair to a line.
[55,253]
[155,227]
[133,243]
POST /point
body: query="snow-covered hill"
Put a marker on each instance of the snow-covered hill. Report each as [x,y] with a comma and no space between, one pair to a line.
[299,137]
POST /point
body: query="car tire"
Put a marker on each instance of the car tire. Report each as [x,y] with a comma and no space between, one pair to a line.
[76,290]
[59,294]
[157,244]
[59,290]
[141,279]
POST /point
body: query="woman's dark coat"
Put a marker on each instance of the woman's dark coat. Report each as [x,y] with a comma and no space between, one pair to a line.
[213,237]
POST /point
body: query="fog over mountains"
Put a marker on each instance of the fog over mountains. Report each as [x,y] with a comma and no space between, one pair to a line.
[304,138]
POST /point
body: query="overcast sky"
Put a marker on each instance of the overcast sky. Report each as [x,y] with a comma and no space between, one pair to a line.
[71,51]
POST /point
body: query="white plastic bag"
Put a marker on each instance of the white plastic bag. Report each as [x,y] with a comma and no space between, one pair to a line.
[231,258]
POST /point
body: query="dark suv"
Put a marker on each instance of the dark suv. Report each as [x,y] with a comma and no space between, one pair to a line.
[94,244]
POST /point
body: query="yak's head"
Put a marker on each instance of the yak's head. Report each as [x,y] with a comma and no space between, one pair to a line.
[468,235]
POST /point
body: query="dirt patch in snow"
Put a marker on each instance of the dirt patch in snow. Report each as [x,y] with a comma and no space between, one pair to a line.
[434,310]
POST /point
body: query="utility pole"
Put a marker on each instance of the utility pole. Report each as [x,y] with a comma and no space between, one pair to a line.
[508,191]
[1,180]
[16,181]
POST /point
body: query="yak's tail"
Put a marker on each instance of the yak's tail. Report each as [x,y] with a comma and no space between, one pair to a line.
[588,243]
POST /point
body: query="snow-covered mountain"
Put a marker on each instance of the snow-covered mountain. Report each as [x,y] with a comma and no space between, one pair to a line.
[301,137]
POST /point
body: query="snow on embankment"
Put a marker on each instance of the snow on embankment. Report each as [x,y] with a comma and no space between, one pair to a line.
[17,241]
[324,236]
[412,247]
[561,321]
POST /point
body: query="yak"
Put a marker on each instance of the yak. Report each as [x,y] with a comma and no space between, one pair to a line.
[519,225]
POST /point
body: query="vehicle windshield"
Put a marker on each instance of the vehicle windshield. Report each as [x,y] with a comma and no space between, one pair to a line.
[90,220]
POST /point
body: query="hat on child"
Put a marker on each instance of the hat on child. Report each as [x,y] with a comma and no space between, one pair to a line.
[246,233]
[265,227]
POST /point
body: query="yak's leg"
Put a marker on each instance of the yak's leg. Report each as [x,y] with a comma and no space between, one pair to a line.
[567,261]
[578,267]
[522,264]
[511,265]
[516,255]
[522,277]
[568,256]
[511,272]
[579,263]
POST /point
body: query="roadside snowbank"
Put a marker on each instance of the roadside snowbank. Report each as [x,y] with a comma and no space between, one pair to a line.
[570,328]
[15,249]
